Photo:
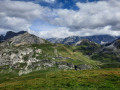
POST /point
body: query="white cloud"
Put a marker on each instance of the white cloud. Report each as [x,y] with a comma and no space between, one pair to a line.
[47,1]
[91,16]
[18,15]
[59,32]
[102,17]
[62,32]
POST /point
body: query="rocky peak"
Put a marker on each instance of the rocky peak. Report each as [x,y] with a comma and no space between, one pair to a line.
[11,34]
[22,39]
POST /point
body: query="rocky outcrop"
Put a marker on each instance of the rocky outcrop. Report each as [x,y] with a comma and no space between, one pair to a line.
[82,67]
[85,42]
[22,60]
[64,65]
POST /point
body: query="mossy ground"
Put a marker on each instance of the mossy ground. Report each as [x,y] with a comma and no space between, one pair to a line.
[100,79]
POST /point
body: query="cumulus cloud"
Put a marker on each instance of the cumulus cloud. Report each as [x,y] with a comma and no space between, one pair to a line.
[94,15]
[59,32]
[102,17]
[18,15]
[62,32]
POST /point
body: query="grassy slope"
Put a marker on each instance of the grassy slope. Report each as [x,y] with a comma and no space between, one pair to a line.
[55,79]
[65,51]
[103,79]
[108,57]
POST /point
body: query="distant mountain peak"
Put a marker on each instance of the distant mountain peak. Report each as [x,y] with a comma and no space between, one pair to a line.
[74,39]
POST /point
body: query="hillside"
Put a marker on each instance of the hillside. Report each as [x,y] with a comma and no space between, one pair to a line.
[30,62]
[26,53]
[108,54]
[102,79]
[27,58]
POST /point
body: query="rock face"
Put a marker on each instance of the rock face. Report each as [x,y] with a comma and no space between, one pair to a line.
[10,35]
[64,65]
[100,39]
[82,67]
[113,45]
[21,59]
[26,59]
[1,38]
[84,42]
[23,39]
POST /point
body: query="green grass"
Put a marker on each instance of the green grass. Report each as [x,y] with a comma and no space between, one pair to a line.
[103,79]
[65,51]
[88,49]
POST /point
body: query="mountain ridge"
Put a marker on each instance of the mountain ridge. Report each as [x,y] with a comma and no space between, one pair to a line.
[29,52]
[10,34]
[100,39]
[22,39]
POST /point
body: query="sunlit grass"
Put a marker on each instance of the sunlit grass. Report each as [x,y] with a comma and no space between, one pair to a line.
[103,79]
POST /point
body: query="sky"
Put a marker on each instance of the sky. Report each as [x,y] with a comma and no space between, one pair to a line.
[60,18]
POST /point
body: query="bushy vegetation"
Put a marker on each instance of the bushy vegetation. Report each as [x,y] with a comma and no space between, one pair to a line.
[102,79]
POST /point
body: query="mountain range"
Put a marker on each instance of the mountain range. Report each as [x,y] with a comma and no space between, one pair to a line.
[28,52]
[30,62]
[24,53]
[100,39]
